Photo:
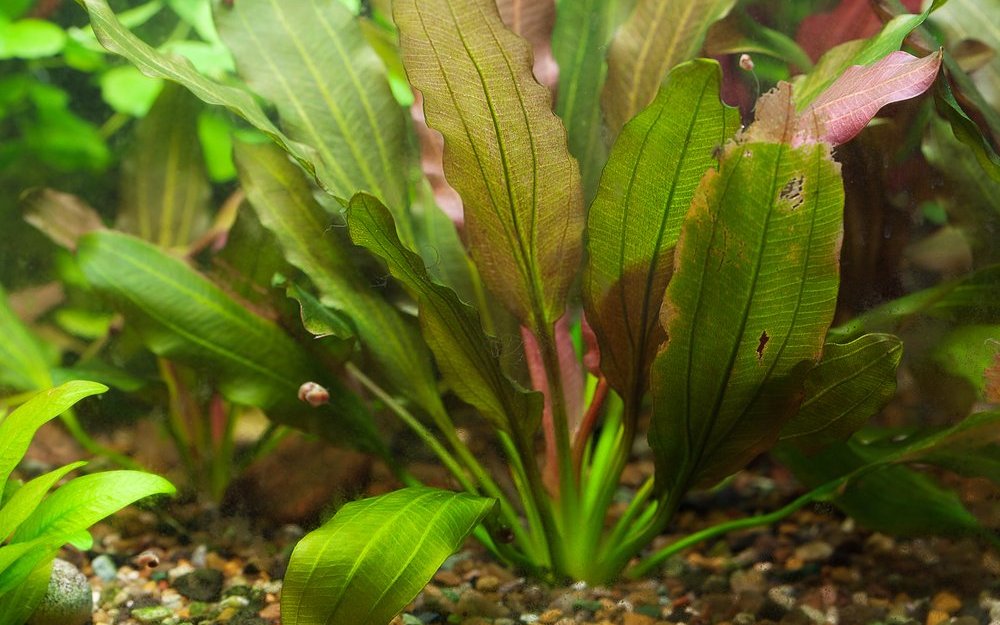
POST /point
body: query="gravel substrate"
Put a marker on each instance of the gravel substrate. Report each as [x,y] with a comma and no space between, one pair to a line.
[815,567]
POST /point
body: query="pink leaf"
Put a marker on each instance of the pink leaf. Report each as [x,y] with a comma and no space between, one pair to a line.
[851,19]
[533,20]
[846,107]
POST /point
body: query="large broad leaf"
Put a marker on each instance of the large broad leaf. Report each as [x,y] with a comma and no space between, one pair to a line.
[25,361]
[19,427]
[860,52]
[656,37]
[635,219]
[849,385]
[505,151]
[970,299]
[579,42]
[165,189]
[375,555]
[283,200]
[182,316]
[450,327]
[310,59]
[752,295]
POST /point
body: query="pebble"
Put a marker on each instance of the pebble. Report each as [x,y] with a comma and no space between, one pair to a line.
[634,618]
[151,614]
[936,617]
[488,583]
[200,584]
[946,602]
[811,552]
[104,567]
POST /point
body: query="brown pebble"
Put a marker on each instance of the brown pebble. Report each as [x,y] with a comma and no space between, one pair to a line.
[549,617]
[634,618]
[488,583]
[448,578]
[936,617]
[946,602]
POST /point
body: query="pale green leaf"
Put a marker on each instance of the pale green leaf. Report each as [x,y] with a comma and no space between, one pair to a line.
[18,428]
[657,36]
[23,502]
[310,59]
[128,91]
[367,562]
[24,359]
[165,188]
[505,151]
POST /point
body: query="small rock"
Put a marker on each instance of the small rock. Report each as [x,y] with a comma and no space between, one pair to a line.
[750,580]
[634,618]
[104,567]
[816,550]
[936,617]
[946,602]
[151,614]
[488,583]
[549,617]
[68,599]
[200,584]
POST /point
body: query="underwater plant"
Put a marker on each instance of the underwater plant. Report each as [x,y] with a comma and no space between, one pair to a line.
[36,523]
[629,253]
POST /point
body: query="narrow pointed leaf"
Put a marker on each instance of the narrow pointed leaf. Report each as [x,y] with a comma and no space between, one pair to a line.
[283,200]
[183,316]
[370,560]
[165,188]
[76,506]
[969,299]
[450,327]
[17,605]
[579,42]
[505,151]
[635,219]
[23,502]
[310,59]
[19,427]
[116,38]
[847,105]
[850,384]
[657,36]
[752,295]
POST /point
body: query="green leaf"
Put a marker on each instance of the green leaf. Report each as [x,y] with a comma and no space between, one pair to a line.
[752,295]
[579,43]
[311,60]
[128,91]
[451,328]
[77,505]
[505,151]
[832,64]
[657,36]
[850,384]
[283,200]
[892,499]
[24,359]
[30,39]
[17,605]
[23,502]
[116,38]
[18,428]
[969,299]
[317,319]
[966,352]
[739,33]
[182,316]
[635,219]
[370,560]
[165,188]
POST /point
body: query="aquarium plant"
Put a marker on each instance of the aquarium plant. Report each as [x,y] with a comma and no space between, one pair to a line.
[630,253]
[34,522]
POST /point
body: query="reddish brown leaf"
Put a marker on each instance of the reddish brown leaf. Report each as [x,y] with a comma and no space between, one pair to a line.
[533,20]
[851,19]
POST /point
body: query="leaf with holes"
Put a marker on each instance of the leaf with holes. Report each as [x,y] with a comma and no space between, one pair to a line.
[752,295]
